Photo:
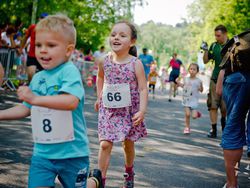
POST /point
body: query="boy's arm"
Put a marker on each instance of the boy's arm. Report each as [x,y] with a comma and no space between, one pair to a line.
[142,83]
[16,112]
[59,102]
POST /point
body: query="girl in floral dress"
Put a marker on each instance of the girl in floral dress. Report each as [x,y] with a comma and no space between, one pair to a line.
[121,100]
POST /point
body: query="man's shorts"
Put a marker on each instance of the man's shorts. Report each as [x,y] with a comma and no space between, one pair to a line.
[214,101]
[32,61]
[236,92]
[71,172]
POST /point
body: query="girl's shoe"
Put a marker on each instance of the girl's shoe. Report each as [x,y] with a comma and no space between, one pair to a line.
[128,180]
[186,130]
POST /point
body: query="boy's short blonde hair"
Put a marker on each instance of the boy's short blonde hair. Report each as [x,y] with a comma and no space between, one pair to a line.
[58,23]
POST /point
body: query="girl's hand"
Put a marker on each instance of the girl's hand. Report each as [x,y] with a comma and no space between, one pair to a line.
[25,94]
[138,118]
[97,105]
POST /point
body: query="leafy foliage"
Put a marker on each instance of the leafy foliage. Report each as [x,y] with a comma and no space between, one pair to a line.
[92,18]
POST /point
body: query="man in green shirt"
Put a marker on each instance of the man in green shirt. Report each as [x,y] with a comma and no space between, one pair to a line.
[215,101]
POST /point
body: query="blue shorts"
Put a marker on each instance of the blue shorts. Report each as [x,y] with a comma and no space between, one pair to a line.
[174,74]
[236,92]
[70,172]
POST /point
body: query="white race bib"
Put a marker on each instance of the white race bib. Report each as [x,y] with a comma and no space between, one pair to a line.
[116,95]
[51,126]
[153,79]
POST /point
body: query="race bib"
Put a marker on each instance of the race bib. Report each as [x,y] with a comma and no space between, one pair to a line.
[116,95]
[153,79]
[51,126]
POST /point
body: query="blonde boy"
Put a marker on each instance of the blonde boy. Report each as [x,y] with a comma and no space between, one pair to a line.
[55,99]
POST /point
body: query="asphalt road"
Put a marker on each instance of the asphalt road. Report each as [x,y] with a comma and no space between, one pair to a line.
[165,159]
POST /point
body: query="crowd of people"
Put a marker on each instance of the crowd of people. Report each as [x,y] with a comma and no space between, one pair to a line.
[55,99]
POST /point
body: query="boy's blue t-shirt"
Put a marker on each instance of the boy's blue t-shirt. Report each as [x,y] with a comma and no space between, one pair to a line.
[65,78]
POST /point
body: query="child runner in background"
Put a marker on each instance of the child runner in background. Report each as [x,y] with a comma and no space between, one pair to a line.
[122,100]
[152,78]
[164,79]
[191,88]
[55,100]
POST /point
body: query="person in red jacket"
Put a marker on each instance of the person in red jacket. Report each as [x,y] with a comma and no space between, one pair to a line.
[32,64]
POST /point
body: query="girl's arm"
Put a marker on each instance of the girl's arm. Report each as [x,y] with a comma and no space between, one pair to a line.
[59,102]
[142,83]
[16,112]
[99,83]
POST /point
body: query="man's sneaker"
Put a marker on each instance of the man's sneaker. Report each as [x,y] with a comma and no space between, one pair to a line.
[128,180]
[96,175]
[212,134]
[248,153]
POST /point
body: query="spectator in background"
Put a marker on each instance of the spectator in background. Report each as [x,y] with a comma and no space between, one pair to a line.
[8,37]
[147,60]
[100,53]
[2,43]
[88,56]
[32,64]
[214,101]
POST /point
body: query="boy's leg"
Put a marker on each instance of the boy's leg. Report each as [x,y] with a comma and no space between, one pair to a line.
[153,86]
[104,157]
[42,173]
[73,172]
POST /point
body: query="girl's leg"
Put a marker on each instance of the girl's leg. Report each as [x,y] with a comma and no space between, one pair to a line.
[129,156]
[129,153]
[187,117]
[104,157]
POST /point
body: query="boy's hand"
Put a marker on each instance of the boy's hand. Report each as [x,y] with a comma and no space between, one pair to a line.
[138,118]
[25,94]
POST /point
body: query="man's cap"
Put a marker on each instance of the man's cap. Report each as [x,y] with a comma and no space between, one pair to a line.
[43,15]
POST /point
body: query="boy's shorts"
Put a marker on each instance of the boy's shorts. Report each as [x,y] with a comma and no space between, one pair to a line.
[215,101]
[71,172]
[236,92]
[152,86]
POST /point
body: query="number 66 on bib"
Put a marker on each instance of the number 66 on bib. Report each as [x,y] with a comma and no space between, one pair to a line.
[116,95]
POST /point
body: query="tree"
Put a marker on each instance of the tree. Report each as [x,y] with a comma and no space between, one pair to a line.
[93,18]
